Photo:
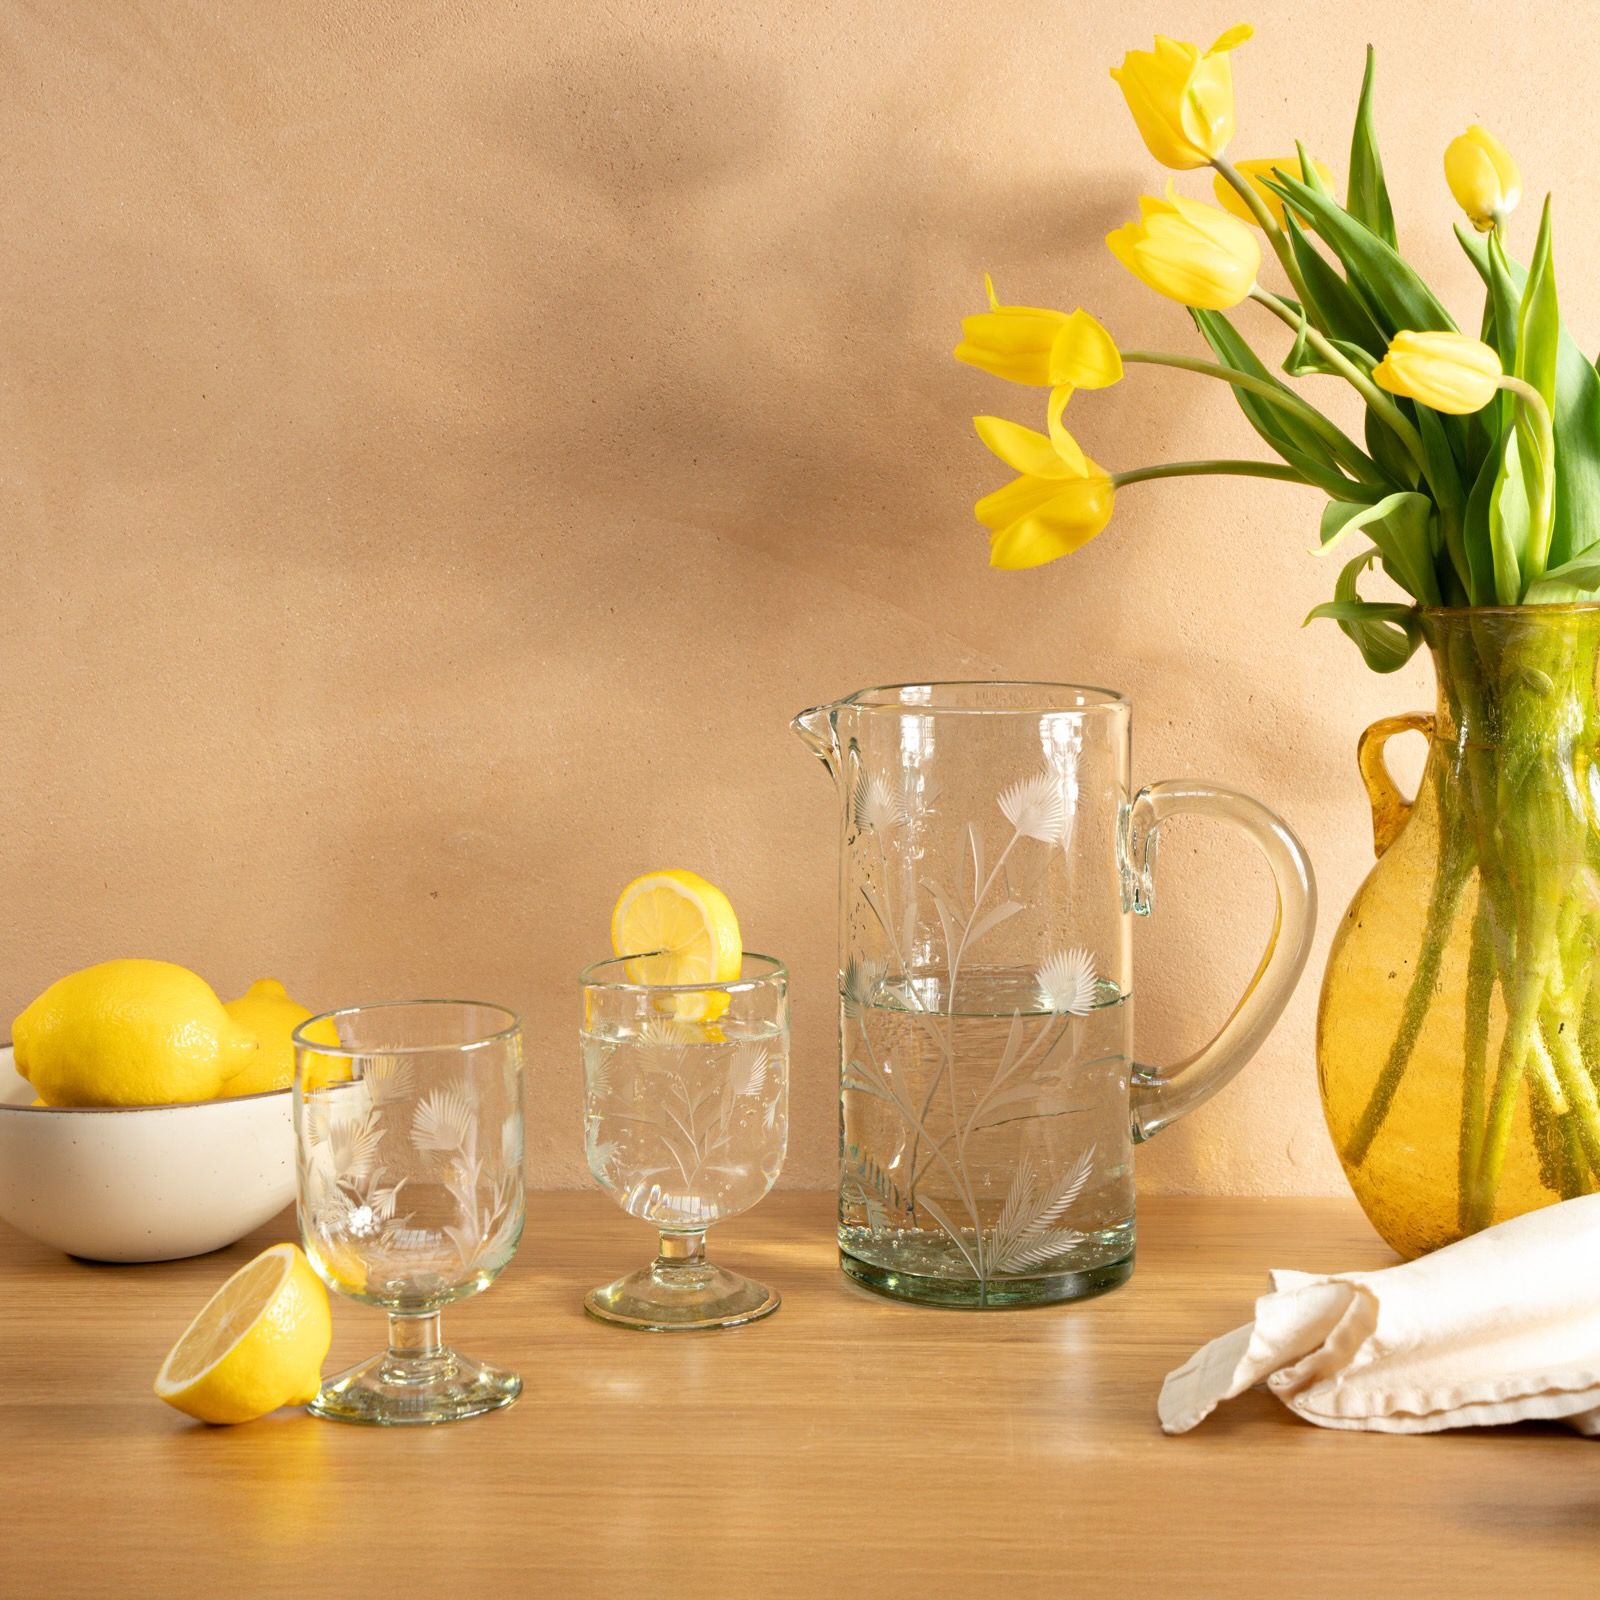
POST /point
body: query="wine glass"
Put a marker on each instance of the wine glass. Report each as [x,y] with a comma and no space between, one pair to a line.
[408,1135]
[686,1119]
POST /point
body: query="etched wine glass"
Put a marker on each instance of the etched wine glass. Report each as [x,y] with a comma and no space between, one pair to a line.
[409,1134]
[686,1120]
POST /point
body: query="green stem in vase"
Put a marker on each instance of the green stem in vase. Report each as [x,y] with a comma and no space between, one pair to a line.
[1474,1083]
[1455,863]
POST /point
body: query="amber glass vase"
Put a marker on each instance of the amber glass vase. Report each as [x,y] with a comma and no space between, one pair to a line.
[1458,1039]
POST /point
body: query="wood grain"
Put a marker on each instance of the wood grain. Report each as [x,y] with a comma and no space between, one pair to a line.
[848,1445]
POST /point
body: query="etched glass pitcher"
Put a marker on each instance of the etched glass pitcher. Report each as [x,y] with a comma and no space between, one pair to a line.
[992,861]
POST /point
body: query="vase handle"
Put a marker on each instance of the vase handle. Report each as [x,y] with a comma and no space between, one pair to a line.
[1390,808]
[1160,1095]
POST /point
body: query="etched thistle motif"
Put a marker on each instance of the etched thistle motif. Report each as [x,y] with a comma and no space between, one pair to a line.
[859,985]
[1036,807]
[1067,982]
[877,804]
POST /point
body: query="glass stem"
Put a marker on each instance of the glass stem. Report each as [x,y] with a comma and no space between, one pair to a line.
[414,1338]
[680,1250]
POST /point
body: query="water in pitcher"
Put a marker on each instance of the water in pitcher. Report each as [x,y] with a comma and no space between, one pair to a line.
[985,1147]
[686,1122]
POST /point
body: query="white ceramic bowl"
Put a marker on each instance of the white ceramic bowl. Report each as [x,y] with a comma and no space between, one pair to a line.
[142,1183]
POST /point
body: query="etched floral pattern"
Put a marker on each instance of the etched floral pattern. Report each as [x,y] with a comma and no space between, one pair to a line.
[941,1104]
[400,1191]
[685,1124]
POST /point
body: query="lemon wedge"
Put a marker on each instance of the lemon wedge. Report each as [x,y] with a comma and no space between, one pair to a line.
[677,928]
[258,1343]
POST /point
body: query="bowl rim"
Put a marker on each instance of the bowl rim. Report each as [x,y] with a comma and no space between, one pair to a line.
[165,1105]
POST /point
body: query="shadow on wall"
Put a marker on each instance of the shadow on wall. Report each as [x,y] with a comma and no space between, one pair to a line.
[775,275]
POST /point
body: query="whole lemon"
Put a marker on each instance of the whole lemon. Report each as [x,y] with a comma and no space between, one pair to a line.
[129,1033]
[269,1012]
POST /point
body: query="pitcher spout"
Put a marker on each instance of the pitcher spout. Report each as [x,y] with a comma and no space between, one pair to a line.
[816,728]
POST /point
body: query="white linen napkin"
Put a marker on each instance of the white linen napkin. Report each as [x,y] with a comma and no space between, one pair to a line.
[1499,1327]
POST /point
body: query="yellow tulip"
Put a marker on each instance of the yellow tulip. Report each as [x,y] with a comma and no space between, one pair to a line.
[1483,177]
[1057,505]
[1181,99]
[1451,372]
[1192,253]
[1029,344]
[1255,171]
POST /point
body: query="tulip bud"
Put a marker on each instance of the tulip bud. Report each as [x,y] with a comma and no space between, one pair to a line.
[1034,345]
[1181,99]
[1190,252]
[1451,372]
[1483,177]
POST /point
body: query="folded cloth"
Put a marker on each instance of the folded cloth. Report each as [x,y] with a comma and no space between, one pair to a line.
[1501,1327]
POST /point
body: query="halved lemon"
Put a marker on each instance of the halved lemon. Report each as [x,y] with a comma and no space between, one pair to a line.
[258,1343]
[678,929]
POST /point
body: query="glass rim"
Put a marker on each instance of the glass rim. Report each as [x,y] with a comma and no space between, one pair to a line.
[1096,698]
[590,977]
[512,1026]
[1557,608]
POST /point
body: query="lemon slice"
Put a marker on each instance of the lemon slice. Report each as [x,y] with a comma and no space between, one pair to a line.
[258,1343]
[678,929]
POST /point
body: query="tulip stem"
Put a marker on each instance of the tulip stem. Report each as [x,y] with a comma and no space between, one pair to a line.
[1262,212]
[1279,394]
[1201,469]
[1351,373]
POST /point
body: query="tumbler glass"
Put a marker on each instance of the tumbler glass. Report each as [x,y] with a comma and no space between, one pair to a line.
[686,1119]
[409,1136]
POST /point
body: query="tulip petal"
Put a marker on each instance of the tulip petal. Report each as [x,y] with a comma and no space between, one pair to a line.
[1056,527]
[1026,543]
[1062,444]
[1084,355]
[1022,449]
[1019,498]
[1232,39]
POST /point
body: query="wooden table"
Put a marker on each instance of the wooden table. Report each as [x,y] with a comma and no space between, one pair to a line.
[848,1446]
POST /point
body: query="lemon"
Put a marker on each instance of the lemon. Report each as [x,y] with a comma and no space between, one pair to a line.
[678,929]
[266,1009]
[129,1033]
[258,1343]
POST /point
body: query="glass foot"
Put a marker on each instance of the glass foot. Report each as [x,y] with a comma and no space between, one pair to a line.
[663,1298]
[395,1389]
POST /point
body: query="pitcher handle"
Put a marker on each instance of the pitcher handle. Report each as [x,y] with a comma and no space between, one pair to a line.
[1162,1095]
[1390,808]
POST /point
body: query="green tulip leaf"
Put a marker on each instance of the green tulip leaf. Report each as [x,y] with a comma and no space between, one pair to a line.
[1475,529]
[1577,419]
[1384,446]
[1401,527]
[1539,319]
[1510,518]
[1395,296]
[1367,196]
[1445,481]
[1578,579]
[1339,311]
[1299,444]
[1386,633]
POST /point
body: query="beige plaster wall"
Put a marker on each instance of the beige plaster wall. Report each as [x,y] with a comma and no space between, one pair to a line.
[441,445]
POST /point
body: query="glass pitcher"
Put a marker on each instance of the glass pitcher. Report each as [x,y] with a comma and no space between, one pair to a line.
[991,862]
